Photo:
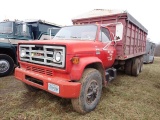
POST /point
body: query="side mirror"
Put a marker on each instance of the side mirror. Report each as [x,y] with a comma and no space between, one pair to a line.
[119,32]
[24,28]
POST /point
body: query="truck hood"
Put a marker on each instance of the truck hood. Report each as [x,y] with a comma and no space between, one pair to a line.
[72,46]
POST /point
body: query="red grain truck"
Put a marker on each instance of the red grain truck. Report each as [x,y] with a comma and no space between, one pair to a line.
[82,58]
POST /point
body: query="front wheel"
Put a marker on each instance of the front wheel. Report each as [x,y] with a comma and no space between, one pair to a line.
[6,65]
[91,88]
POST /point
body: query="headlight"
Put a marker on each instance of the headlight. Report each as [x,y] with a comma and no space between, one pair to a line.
[58,56]
[22,53]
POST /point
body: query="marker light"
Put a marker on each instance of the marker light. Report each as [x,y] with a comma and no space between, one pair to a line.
[75,60]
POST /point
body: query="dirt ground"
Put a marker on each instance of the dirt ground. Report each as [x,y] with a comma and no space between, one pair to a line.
[126,97]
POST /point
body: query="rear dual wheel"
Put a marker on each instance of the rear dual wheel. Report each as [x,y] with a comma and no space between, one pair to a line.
[134,66]
[128,67]
[91,88]
[141,64]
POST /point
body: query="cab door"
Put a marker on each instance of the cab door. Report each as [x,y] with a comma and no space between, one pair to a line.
[108,51]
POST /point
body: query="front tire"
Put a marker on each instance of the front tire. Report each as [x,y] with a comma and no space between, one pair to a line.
[6,65]
[91,88]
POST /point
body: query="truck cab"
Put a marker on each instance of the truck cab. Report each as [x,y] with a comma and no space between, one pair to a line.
[12,32]
[100,38]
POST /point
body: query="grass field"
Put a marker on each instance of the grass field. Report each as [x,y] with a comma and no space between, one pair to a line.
[132,98]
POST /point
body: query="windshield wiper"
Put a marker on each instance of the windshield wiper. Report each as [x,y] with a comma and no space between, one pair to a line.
[11,37]
[75,37]
[3,33]
[59,36]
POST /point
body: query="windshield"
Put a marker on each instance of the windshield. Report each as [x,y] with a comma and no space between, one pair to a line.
[84,32]
[6,27]
[23,31]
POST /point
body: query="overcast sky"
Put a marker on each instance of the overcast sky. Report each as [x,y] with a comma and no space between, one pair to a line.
[62,11]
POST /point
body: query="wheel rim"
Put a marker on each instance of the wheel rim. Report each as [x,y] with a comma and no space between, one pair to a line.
[4,66]
[138,68]
[92,92]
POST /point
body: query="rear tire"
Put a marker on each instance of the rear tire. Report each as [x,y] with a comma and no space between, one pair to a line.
[6,65]
[91,88]
[128,67]
[136,67]
[141,64]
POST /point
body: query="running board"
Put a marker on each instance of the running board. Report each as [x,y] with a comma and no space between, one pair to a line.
[110,74]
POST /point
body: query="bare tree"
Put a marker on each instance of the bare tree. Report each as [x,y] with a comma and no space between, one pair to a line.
[157,50]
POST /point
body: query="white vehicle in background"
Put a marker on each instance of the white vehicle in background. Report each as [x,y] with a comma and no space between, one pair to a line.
[149,56]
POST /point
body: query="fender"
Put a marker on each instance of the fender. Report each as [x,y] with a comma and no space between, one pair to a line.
[77,69]
[12,48]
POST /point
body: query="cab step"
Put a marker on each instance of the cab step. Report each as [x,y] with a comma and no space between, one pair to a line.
[110,74]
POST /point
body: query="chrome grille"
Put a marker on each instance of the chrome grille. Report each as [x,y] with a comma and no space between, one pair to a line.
[42,54]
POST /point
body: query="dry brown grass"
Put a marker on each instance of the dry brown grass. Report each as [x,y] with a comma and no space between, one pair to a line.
[127,97]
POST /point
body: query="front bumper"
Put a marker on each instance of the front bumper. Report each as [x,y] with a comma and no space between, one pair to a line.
[66,89]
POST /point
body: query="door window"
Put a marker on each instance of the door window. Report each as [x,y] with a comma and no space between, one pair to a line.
[104,35]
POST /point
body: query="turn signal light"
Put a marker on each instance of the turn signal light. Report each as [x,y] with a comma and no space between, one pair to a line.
[75,60]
